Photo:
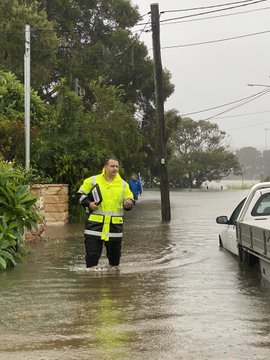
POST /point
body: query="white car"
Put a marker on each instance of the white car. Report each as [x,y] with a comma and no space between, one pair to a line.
[256,209]
[227,235]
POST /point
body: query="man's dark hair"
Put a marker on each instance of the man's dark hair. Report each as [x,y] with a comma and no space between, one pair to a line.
[111,157]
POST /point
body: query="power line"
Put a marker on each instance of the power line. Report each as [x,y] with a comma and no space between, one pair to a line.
[215,17]
[215,41]
[143,29]
[240,115]
[149,12]
[211,11]
[250,2]
[206,18]
[226,104]
[237,106]
[186,45]
[208,7]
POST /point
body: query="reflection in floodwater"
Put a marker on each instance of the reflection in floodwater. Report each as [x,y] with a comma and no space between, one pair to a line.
[177,295]
[104,319]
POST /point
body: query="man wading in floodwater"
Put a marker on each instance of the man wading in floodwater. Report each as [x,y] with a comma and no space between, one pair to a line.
[104,196]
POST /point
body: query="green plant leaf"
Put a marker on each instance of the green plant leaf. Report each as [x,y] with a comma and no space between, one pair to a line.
[3,264]
[7,255]
[5,244]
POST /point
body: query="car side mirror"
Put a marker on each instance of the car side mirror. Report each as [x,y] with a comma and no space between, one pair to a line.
[222,220]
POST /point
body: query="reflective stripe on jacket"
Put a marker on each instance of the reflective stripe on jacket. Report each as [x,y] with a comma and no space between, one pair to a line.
[107,221]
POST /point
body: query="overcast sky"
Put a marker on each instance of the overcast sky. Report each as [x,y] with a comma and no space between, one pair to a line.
[211,75]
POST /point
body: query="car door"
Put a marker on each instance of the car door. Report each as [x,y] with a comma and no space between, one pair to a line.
[228,233]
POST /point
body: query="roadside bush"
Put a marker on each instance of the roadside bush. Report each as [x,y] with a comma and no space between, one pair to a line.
[17,212]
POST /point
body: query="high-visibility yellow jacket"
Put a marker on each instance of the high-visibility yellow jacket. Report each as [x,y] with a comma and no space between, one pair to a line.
[107,221]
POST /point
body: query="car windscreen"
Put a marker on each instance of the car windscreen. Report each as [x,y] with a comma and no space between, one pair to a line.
[236,212]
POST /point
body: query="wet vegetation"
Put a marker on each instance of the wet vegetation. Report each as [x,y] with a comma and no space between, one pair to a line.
[17,213]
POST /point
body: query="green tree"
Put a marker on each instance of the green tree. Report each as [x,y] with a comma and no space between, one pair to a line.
[12,116]
[14,15]
[202,153]
[177,172]
[250,160]
[96,40]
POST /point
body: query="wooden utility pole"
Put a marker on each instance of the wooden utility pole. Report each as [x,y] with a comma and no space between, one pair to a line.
[161,136]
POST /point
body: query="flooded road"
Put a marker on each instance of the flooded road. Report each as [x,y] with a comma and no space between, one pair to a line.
[177,295]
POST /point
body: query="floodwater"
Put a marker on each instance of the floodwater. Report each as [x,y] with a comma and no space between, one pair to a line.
[176,296]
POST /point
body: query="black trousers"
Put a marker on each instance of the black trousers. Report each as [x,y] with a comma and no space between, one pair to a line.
[93,250]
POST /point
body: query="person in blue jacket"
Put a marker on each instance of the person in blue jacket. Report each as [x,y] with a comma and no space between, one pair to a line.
[135,186]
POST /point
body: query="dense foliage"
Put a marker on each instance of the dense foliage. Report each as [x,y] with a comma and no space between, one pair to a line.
[14,15]
[17,213]
[12,116]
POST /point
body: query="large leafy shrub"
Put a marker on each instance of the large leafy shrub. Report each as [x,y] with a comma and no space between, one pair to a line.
[17,212]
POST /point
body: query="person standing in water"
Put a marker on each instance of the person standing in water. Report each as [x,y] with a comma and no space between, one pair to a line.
[104,219]
[135,186]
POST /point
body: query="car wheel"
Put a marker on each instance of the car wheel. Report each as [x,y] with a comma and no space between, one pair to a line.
[220,242]
[247,258]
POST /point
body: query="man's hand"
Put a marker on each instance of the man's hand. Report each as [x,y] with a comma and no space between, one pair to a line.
[128,203]
[93,206]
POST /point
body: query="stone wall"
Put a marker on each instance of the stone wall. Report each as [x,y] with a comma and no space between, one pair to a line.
[53,202]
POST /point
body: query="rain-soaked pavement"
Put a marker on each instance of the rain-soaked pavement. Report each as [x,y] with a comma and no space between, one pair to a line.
[177,295]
